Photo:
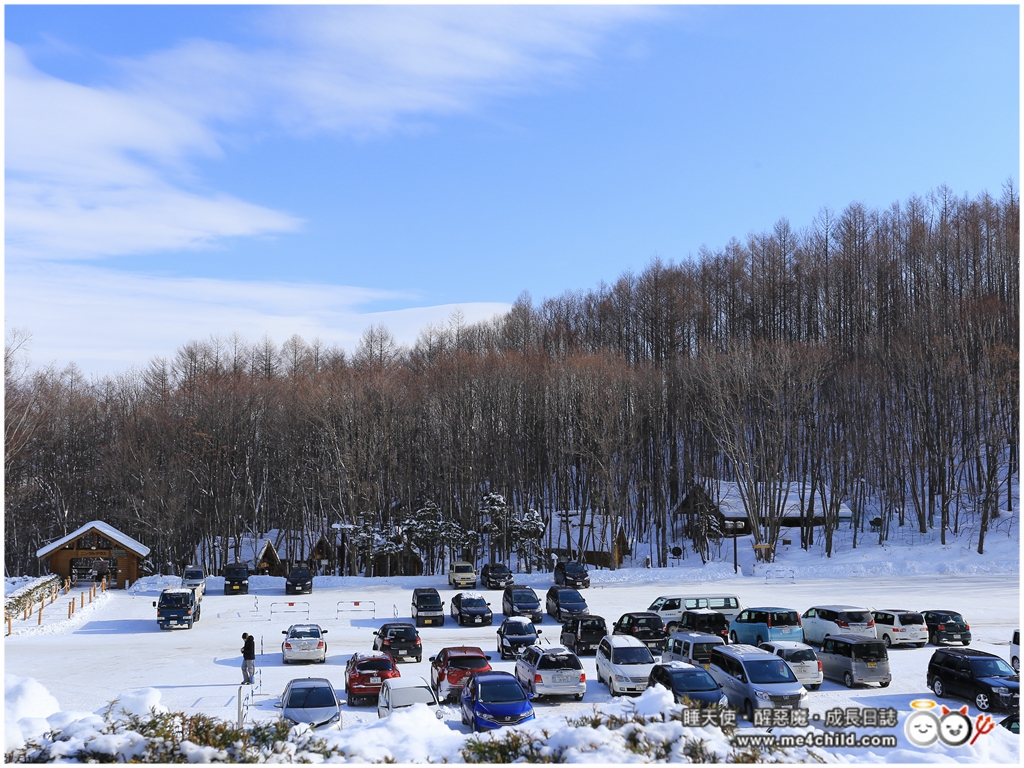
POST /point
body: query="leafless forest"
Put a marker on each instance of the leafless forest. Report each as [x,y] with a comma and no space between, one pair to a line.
[871,358]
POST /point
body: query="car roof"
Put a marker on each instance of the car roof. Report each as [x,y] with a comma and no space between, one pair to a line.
[622,641]
[411,681]
[309,682]
[363,655]
[897,610]
[675,665]
[463,562]
[464,595]
[641,613]
[553,650]
[305,626]
[791,645]
[778,608]
[179,591]
[850,638]
[743,650]
[702,637]
[464,650]
[941,610]
[840,607]
[967,652]
[704,611]
[397,624]
[492,674]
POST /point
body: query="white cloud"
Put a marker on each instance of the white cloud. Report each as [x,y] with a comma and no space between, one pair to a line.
[106,321]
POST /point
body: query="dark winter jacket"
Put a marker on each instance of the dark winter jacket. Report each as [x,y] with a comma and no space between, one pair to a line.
[249,649]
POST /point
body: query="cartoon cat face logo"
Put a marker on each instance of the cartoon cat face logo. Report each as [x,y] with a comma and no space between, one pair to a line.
[955,727]
[921,728]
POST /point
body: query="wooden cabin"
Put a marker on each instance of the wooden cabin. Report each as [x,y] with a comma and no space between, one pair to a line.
[94,551]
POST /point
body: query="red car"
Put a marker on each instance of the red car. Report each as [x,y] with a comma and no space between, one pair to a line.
[366,672]
[450,668]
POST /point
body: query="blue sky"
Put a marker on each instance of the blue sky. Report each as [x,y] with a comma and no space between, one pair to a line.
[177,172]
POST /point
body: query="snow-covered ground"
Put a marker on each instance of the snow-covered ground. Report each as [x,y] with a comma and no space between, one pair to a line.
[113,648]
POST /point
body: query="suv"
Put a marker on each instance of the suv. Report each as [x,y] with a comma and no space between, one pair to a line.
[823,620]
[947,626]
[365,672]
[551,670]
[450,668]
[236,579]
[895,626]
[427,606]
[645,626]
[495,576]
[400,640]
[461,575]
[572,575]
[299,580]
[177,608]
[583,633]
[195,578]
[625,663]
[755,679]
[564,603]
[521,601]
[982,678]
[704,620]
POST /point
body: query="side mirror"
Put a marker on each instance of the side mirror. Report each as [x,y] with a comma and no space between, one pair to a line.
[431,659]
[540,631]
[439,715]
[279,705]
[154,603]
[323,631]
[488,657]
[284,631]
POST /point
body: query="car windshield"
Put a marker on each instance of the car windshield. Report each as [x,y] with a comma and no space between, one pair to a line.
[869,651]
[575,568]
[310,698]
[631,655]
[500,570]
[803,654]
[991,668]
[785,619]
[770,671]
[657,604]
[723,603]
[911,618]
[194,574]
[855,617]
[570,596]
[402,633]
[951,618]
[692,680]
[559,661]
[236,573]
[594,624]
[406,697]
[650,622]
[524,596]
[468,662]
[702,652]
[373,665]
[429,600]
[501,690]
[300,574]
[305,632]
[474,602]
[173,601]
[463,568]
[520,628]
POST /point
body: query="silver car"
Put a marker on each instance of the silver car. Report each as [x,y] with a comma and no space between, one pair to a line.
[753,679]
[310,700]
[401,692]
[855,659]
[553,670]
[304,642]
[801,659]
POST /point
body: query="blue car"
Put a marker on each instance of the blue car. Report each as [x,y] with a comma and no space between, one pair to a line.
[494,699]
[754,626]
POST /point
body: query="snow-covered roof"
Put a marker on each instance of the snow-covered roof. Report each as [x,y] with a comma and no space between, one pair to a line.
[107,530]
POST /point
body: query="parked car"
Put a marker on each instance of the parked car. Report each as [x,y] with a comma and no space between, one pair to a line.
[236,579]
[401,692]
[1012,723]
[515,635]
[553,670]
[855,659]
[691,648]
[689,685]
[521,601]
[758,625]
[194,577]
[572,575]
[1015,651]
[947,627]
[495,576]
[400,640]
[299,581]
[823,620]
[494,699]
[462,575]
[801,659]
[752,679]
[624,662]
[450,667]
[644,626]
[895,626]
[471,608]
[671,607]
[310,700]
[704,620]
[581,634]
[304,642]
[365,672]
[427,606]
[565,603]
[982,678]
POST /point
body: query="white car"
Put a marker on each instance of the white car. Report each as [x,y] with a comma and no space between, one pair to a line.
[551,670]
[898,626]
[625,663]
[801,659]
[304,642]
[1015,651]
[823,620]
[400,692]
[195,578]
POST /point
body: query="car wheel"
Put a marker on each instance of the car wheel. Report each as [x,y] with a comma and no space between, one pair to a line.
[748,711]
[611,688]
[579,697]
[1015,663]
[920,645]
[284,660]
[351,700]
[982,701]
[884,684]
[758,642]
[938,687]
[967,642]
[932,638]
[848,679]
[672,628]
[814,687]
[733,638]
[190,622]
[887,641]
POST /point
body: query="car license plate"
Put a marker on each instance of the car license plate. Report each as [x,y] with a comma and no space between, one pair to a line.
[478,619]
[956,637]
[872,664]
[785,630]
[402,652]
[174,621]
[560,678]
[374,681]
[234,586]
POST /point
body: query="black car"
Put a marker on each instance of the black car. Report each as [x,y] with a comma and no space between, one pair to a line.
[236,579]
[521,601]
[564,603]
[299,581]
[515,634]
[645,626]
[947,627]
[496,576]
[572,575]
[471,608]
[427,606]
[981,678]
[689,685]
[704,620]
[583,633]
[399,639]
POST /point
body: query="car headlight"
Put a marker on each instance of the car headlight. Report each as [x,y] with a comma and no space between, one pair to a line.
[621,679]
[245,581]
[724,701]
[487,717]
[763,695]
[1001,690]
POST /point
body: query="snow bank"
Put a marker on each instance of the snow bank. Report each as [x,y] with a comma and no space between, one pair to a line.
[27,704]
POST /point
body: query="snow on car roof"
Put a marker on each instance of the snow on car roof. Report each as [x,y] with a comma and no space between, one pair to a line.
[677,665]
[473,595]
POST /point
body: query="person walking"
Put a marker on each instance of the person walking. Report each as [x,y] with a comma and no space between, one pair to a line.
[248,658]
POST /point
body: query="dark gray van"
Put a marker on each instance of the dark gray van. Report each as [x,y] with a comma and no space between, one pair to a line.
[854,659]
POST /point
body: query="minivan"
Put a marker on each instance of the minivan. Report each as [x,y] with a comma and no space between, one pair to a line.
[691,647]
[236,579]
[854,659]
[821,621]
[755,679]
[671,607]
[894,626]
[759,625]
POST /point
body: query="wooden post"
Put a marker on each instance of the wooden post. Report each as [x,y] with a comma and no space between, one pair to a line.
[40,622]
[83,599]
[90,597]
[10,620]
[71,608]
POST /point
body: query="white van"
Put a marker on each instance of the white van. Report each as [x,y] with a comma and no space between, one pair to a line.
[671,607]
